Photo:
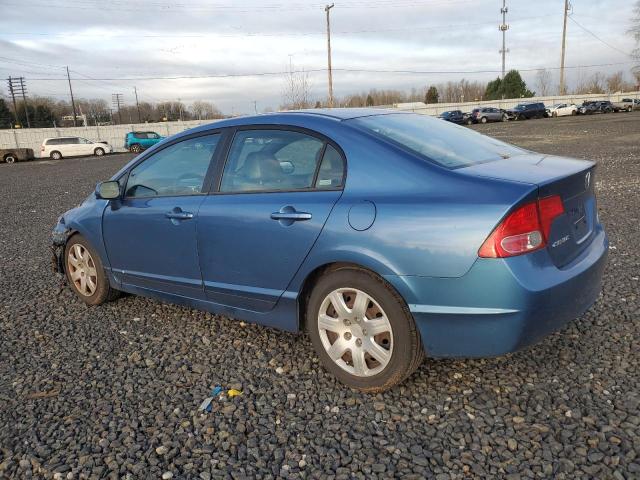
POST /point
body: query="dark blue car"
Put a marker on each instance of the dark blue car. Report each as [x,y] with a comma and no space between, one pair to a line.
[386,236]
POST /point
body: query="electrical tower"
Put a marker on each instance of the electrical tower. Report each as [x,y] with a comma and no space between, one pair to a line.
[116,100]
[503,28]
[17,86]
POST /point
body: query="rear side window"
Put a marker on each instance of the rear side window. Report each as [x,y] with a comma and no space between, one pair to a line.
[331,172]
[176,170]
[271,160]
[442,143]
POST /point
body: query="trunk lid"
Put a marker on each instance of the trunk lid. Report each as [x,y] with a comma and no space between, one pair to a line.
[573,180]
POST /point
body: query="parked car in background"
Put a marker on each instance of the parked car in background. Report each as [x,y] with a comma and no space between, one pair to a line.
[526,111]
[488,114]
[12,155]
[627,105]
[456,116]
[319,221]
[562,110]
[138,141]
[60,147]
[599,106]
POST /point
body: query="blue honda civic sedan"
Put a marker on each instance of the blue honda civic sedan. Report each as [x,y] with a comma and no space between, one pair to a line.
[384,235]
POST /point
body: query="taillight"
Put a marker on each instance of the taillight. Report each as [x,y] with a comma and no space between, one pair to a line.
[524,230]
[42,148]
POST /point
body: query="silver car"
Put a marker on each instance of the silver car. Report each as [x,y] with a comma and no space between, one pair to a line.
[488,114]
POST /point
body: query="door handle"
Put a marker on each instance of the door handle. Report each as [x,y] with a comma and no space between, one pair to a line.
[179,215]
[288,215]
[295,216]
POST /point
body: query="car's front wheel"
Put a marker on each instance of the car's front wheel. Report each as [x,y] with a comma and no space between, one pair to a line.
[85,273]
[483,120]
[99,152]
[362,330]
[56,155]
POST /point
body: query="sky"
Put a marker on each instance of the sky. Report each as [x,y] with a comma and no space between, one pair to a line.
[112,46]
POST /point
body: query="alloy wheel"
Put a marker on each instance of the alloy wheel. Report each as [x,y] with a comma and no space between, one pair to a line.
[355,332]
[82,270]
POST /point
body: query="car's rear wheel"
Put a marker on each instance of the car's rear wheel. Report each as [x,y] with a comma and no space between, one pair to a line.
[99,152]
[483,120]
[362,330]
[10,158]
[56,155]
[85,272]
[136,148]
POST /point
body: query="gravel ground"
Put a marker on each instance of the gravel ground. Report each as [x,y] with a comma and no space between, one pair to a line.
[113,391]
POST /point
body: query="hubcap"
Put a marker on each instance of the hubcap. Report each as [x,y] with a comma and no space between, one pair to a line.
[82,270]
[355,332]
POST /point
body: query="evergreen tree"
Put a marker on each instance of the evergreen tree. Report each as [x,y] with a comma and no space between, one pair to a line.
[369,102]
[432,95]
[494,89]
[6,115]
[514,87]
[511,86]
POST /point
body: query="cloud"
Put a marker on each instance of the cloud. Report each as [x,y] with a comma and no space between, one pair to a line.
[114,39]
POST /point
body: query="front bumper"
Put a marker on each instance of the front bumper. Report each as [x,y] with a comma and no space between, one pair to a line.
[503,305]
[59,237]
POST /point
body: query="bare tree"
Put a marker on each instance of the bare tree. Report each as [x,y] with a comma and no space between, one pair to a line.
[593,84]
[543,82]
[296,91]
[617,83]
[205,110]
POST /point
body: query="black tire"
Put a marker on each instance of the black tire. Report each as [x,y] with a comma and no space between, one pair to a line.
[505,118]
[10,158]
[469,122]
[407,352]
[98,152]
[135,148]
[483,120]
[103,291]
[574,113]
[55,155]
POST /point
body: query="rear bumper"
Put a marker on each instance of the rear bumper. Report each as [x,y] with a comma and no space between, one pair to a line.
[503,305]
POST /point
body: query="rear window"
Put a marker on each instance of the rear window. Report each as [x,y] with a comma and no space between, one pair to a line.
[442,143]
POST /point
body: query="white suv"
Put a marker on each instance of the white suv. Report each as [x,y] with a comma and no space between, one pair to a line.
[57,148]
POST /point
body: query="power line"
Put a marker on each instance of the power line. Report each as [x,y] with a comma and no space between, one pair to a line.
[598,38]
[272,34]
[316,70]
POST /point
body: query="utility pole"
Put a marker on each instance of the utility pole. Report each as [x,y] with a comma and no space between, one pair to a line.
[327,9]
[17,87]
[13,97]
[116,100]
[23,90]
[503,28]
[567,7]
[255,106]
[73,103]
[135,90]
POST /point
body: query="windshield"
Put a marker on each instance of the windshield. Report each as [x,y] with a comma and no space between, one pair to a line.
[443,143]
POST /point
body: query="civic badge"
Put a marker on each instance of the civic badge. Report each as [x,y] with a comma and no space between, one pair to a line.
[587,180]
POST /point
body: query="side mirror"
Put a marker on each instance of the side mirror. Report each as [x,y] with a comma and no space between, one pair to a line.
[109,190]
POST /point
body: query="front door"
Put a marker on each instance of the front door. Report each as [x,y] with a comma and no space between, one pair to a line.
[150,235]
[276,192]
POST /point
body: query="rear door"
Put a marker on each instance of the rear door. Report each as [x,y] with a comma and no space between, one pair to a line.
[276,191]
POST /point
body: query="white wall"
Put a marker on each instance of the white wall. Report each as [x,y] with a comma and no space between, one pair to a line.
[114,134]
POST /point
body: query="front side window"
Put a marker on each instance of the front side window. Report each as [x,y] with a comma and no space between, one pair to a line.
[271,160]
[84,141]
[176,170]
[445,144]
